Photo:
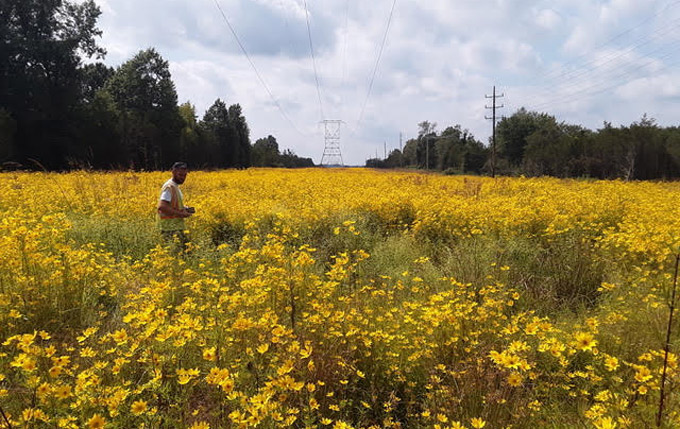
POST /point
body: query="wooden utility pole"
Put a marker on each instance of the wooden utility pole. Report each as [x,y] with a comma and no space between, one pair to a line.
[493,128]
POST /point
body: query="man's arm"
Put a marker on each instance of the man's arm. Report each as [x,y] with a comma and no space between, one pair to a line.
[165,208]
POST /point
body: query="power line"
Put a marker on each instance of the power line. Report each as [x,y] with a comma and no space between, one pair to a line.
[609,41]
[259,77]
[658,34]
[311,49]
[611,75]
[344,58]
[377,62]
[593,89]
[605,78]
[572,80]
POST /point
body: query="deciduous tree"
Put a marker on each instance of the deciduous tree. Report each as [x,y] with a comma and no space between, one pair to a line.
[150,122]
[42,43]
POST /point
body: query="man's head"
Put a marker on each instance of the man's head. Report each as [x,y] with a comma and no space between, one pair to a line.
[179,172]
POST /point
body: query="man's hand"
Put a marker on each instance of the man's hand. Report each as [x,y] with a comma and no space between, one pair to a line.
[165,208]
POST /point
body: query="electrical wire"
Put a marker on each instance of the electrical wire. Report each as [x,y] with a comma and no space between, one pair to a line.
[606,78]
[377,62]
[252,64]
[617,80]
[549,76]
[344,58]
[573,79]
[311,50]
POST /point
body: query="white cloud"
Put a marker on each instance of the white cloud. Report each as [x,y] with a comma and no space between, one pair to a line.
[547,19]
[651,88]
[440,59]
[612,12]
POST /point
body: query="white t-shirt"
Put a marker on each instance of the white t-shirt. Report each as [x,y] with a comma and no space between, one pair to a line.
[166,195]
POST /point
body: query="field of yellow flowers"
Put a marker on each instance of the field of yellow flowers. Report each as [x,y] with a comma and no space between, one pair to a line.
[338,298]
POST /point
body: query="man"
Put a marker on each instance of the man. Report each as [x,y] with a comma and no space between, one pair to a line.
[171,209]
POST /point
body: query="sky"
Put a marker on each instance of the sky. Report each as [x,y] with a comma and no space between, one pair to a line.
[384,66]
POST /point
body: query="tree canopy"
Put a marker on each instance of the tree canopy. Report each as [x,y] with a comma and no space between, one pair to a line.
[60,108]
[536,144]
[42,45]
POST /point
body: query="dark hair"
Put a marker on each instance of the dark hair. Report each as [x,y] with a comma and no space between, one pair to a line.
[179,164]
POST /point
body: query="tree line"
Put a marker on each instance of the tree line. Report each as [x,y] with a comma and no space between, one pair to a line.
[454,150]
[536,144]
[62,108]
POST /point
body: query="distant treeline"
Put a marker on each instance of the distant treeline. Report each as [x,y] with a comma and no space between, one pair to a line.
[536,144]
[58,113]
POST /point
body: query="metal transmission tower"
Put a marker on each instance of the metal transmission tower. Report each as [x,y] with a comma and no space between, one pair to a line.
[493,135]
[331,151]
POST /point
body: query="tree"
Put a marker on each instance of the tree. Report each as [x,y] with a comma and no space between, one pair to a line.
[475,155]
[641,151]
[410,153]
[265,152]
[290,160]
[376,163]
[241,133]
[609,155]
[425,148]
[426,128]
[99,135]
[672,144]
[512,133]
[219,135]
[93,79]
[648,150]
[189,139]
[547,152]
[41,44]
[426,154]
[450,149]
[395,159]
[145,94]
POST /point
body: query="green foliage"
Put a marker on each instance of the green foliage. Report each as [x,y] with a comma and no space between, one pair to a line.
[641,151]
[99,134]
[93,79]
[57,113]
[41,43]
[189,138]
[143,91]
[454,149]
[242,135]
[553,151]
[410,149]
[535,144]
[512,133]
[265,152]
[227,133]
[289,159]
